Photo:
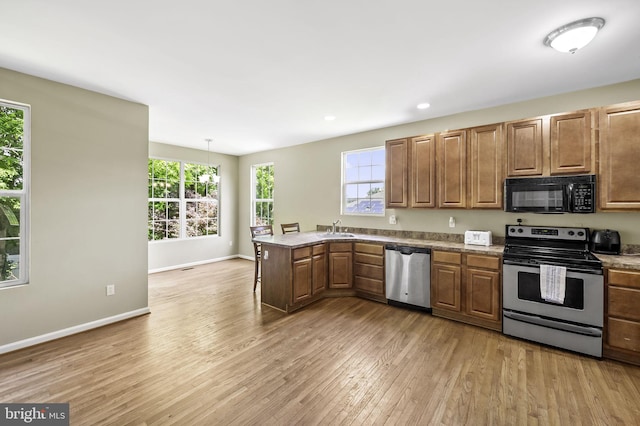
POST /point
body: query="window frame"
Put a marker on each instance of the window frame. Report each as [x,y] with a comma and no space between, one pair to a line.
[255,200]
[183,200]
[23,194]
[344,182]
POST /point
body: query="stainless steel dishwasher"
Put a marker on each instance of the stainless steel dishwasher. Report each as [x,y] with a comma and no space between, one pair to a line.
[408,276]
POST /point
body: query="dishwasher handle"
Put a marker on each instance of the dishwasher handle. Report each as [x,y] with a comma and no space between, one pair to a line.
[407,250]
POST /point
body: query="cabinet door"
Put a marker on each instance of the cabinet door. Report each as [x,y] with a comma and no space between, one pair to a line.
[572,144]
[445,287]
[524,148]
[340,270]
[423,171]
[486,147]
[301,280]
[452,169]
[319,269]
[619,180]
[397,173]
[483,294]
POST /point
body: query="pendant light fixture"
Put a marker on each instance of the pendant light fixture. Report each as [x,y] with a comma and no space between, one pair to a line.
[571,37]
[208,177]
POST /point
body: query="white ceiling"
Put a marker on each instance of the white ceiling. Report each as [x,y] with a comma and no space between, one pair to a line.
[254,75]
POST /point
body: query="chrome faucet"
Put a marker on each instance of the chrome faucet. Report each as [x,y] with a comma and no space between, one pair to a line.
[334,225]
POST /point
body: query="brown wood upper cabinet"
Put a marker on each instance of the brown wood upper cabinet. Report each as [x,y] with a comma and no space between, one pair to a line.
[410,172]
[423,171]
[552,145]
[486,168]
[524,147]
[619,180]
[573,143]
[468,172]
[471,168]
[397,173]
[452,169]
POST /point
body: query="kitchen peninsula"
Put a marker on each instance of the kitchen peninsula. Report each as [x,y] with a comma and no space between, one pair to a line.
[300,268]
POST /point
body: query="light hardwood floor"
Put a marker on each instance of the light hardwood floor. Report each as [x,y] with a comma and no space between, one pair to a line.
[210,354]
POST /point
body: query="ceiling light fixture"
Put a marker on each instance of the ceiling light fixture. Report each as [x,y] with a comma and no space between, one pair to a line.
[423,105]
[208,177]
[576,35]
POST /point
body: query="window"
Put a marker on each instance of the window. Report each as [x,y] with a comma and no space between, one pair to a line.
[183,200]
[363,182]
[14,189]
[262,194]
[164,199]
[201,200]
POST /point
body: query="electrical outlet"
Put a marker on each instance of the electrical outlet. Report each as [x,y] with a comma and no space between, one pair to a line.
[392,219]
[111,289]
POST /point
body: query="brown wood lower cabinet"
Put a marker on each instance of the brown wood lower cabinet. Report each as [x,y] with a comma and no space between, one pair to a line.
[446,278]
[368,270]
[622,316]
[466,287]
[340,265]
[293,278]
[309,271]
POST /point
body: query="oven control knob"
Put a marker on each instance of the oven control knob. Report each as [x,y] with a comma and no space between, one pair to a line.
[571,233]
[512,230]
[580,233]
[520,230]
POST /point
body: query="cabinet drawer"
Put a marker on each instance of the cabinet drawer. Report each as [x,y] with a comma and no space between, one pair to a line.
[334,247]
[369,259]
[369,248]
[624,303]
[319,249]
[487,262]
[447,257]
[369,285]
[370,271]
[624,278]
[301,252]
[624,334]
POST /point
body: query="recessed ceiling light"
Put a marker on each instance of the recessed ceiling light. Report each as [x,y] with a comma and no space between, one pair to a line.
[574,36]
[423,105]
[329,117]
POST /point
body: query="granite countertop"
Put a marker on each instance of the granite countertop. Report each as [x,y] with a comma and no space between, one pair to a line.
[302,239]
[624,261]
[295,240]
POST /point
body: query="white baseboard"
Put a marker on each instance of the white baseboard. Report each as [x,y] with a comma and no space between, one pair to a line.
[21,344]
[200,262]
[251,258]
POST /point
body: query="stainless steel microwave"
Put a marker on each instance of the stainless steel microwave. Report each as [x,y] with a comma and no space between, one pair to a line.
[556,194]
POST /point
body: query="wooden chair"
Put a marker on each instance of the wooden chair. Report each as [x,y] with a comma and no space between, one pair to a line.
[290,227]
[257,231]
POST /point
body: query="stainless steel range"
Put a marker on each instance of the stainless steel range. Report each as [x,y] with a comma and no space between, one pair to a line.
[553,288]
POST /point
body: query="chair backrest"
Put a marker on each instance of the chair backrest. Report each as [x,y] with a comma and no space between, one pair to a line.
[290,227]
[257,231]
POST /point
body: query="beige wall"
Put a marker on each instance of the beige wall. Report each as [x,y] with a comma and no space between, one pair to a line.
[307,177]
[88,209]
[172,253]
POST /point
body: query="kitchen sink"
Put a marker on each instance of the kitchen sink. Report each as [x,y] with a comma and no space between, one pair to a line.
[337,235]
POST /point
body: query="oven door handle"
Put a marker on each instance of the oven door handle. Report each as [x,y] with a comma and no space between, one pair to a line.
[573,328]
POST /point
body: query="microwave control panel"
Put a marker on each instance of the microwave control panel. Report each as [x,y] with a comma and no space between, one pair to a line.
[582,198]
